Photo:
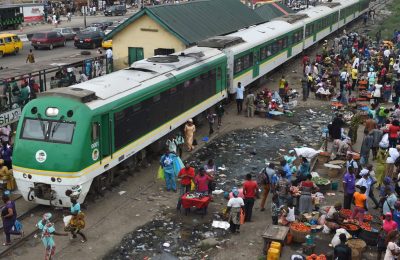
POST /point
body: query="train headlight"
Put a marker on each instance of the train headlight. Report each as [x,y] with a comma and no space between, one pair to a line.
[59,179]
[24,175]
[52,111]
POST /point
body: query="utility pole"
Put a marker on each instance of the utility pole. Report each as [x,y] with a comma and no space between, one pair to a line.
[84,15]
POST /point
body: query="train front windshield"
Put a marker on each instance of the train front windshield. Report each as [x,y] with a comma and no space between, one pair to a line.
[48,130]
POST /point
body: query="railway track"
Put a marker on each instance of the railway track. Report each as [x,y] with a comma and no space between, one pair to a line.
[37,211]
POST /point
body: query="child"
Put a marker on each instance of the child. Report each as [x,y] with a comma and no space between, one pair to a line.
[275,209]
[359,200]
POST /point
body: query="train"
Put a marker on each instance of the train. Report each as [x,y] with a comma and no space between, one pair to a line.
[80,138]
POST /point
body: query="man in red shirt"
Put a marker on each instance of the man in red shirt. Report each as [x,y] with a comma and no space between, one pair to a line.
[185,175]
[250,191]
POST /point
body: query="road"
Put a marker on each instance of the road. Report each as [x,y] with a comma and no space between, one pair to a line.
[56,54]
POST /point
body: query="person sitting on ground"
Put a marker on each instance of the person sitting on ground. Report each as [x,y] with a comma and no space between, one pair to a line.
[334,218]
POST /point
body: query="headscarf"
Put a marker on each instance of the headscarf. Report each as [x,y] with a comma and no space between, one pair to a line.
[235,192]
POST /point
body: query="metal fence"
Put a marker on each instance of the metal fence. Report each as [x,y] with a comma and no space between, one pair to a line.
[20,85]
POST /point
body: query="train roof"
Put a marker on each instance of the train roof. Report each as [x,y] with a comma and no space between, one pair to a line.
[141,74]
[259,34]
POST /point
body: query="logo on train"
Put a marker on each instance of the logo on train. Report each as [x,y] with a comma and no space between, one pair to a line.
[41,156]
[95,154]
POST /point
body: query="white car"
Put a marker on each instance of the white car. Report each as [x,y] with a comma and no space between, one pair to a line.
[68,33]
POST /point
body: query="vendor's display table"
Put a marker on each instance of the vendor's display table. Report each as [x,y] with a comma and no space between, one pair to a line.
[200,203]
[274,233]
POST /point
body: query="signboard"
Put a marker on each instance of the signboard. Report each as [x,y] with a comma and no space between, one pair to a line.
[10,117]
[33,13]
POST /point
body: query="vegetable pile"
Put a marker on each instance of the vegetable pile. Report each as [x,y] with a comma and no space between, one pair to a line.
[346,212]
[350,227]
[316,257]
[366,226]
[299,226]
[320,181]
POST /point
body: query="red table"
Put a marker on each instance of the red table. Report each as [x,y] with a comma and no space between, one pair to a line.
[200,203]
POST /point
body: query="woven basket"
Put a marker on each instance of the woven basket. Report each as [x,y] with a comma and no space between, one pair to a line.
[357,245]
[297,236]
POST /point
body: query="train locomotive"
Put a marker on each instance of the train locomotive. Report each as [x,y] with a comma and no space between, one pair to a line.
[80,137]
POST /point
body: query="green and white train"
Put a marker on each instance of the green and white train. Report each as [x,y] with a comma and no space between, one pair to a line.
[76,138]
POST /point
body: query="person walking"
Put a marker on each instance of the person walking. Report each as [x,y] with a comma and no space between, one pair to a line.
[392,249]
[219,110]
[9,218]
[167,163]
[250,191]
[211,120]
[360,202]
[282,83]
[235,205]
[77,222]
[109,60]
[186,176]
[189,131]
[48,233]
[179,141]
[30,58]
[366,146]
[304,85]
[250,99]
[349,187]
[239,97]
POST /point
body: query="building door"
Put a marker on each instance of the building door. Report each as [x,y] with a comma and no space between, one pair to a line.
[256,63]
[135,54]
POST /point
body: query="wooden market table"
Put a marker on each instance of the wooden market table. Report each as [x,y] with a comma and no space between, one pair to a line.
[199,203]
[274,233]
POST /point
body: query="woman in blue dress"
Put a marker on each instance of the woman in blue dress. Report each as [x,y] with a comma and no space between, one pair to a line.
[48,233]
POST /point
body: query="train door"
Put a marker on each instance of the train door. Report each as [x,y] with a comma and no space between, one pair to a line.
[105,135]
[219,81]
[256,63]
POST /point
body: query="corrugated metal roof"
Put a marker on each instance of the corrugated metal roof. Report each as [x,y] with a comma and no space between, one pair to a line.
[272,10]
[197,20]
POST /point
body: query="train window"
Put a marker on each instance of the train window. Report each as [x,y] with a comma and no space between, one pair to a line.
[48,130]
[7,39]
[61,132]
[156,98]
[95,131]
[204,76]
[238,65]
[263,53]
[35,129]
[197,79]
[119,115]
[247,61]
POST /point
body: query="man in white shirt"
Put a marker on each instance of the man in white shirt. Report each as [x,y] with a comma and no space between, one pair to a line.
[356,63]
[109,56]
[343,79]
[239,97]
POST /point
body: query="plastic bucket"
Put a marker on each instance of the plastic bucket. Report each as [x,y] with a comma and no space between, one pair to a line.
[334,185]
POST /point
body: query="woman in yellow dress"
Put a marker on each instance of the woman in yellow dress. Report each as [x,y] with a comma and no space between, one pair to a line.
[189,130]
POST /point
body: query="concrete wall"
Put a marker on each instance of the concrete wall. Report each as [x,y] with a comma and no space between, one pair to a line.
[145,33]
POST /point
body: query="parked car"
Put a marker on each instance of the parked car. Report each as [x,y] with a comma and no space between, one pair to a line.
[107,23]
[89,39]
[115,10]
[107,44]
[109,29]
[48,40]
[9,43]
[98,25]
[68,33]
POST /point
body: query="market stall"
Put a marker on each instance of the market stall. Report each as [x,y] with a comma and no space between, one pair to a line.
[196,200]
